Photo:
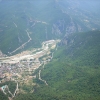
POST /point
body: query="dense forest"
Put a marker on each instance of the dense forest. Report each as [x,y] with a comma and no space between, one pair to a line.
[73,73]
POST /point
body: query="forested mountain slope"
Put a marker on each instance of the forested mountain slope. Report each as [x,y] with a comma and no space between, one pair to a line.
[71,71]
[74,71]
[42,20]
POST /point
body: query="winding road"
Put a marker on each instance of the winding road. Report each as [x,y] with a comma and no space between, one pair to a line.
[41,78]
[22,46]
[16,90]
[7,89]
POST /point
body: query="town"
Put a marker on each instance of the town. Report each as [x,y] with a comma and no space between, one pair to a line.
[20,67]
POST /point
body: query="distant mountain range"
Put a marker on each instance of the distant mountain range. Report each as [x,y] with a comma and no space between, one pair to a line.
[74,71]
[44,20]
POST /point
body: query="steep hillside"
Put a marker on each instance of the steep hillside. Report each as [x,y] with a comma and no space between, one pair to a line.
[83,48]
[35,67]
[42,20]
[74,71]
[36,17]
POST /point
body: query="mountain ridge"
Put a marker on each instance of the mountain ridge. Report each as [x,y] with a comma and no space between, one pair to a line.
[70,71]
[23,15]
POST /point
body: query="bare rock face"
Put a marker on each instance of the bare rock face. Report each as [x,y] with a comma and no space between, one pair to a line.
[64,42]
[1,54]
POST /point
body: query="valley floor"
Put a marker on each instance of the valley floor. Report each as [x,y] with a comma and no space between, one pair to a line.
[21,67]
